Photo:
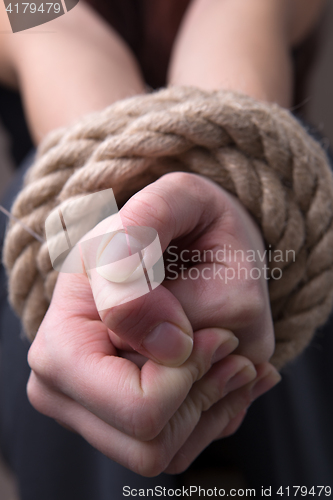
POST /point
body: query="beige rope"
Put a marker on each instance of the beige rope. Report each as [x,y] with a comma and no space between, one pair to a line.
[257,151]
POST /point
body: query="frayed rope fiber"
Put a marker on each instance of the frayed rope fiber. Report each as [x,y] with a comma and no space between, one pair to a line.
[257,151]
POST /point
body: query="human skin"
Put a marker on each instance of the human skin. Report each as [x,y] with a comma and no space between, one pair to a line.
[160,418]
[74,361]
[84,66]
[242,46]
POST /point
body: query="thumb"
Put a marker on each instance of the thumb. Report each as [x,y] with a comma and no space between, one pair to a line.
[124,282]
[155,325]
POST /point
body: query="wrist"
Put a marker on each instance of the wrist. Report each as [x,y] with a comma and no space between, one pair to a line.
[236,45]
[79,68]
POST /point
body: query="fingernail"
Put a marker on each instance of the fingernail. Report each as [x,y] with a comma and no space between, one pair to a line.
[168,344]
[244,376]
[265,384]
[225,348]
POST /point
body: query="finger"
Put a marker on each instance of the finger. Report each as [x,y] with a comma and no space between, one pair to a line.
[234,424]
[146,458]
[126,352]
[114,388]
[239,305]
[211,424]
[267,378]
[223,418]
[155,324]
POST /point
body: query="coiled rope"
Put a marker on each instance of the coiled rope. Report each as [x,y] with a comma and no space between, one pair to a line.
[257,151]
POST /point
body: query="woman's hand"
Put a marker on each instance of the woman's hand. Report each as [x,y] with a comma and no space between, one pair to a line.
[150,420]
[160,418]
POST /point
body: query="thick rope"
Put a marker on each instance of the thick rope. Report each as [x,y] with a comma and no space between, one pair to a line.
[257,151]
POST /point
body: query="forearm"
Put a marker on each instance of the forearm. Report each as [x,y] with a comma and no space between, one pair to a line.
[81,67]
[242,45]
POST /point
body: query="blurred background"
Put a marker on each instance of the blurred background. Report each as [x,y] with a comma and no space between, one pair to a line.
[317,108]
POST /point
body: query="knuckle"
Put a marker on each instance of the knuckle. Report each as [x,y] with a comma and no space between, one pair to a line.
[198,368]
[204,396]
[37,396]
[254,306]
[268,346]
[150,205]
[126,318]
[208,399]
[33,393]
[147,421]
[179,464]
[152,460]
[237,404]
[191,181]
[37,359]
[235,427]
[48,363]
[180,177]
[32,356]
